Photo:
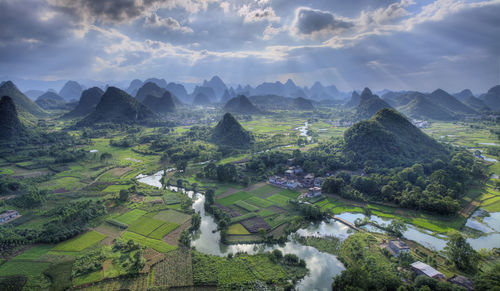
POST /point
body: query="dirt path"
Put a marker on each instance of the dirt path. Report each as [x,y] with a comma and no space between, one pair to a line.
[173,237]
[469,209]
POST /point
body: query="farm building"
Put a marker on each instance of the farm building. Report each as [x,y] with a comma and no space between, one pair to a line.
[397,247]
[318,182]
[8,215]
[462,281]
[308,180]
[314,192]
[424,269]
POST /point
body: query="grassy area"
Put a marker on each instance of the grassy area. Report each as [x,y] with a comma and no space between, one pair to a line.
[130,216]
[264,190]
[34,252]
[237,229]
[233,198]
[26,268]
[279,199]
[163,230]
[145,226]
[257,201]
[172,216]
[80,243]
[248,207]
[158,245]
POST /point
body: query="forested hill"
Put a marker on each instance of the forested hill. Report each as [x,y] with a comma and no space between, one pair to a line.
[229,132]
[389,139]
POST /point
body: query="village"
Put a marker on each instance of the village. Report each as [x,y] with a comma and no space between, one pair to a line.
[295,178]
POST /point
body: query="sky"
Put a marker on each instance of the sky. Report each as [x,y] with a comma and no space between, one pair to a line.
[398,45]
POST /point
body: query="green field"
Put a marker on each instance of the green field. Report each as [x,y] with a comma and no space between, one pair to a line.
[289,193]
[80,243]
[116,188]
[233,198]
[34,252]
[144,225]
[264,190]
[279,199]
[27,268]
[237,229]
[130,216]
[246,206]
[163,230]
[259,202]
[172,216]
[158,245]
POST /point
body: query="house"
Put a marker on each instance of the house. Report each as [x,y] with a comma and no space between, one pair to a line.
[314,192]
[289,173]
[298,170]
[8,215]
[424,269]
[318,182]
[397,247]
[272,179]
[308,180]
[292,184]
[462,281]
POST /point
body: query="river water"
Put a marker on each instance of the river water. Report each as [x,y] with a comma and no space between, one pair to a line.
[322,266]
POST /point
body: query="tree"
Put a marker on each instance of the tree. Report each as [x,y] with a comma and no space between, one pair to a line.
[489,280]
[185,239]
[195,221]
[106,156]
[461,253]
[209,199]
[181,165]
[124,195]
[397,228]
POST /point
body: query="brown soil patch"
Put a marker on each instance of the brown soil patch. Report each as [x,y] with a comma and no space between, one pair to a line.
[118,172]
[173,237]
[468,209]
[137,198]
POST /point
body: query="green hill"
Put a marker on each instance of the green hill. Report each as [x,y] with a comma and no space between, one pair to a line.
[476,103]
[369,104]
[449,102]
[11,127]
[50,100]
[422,108]
[241,104]
[492,98]
[149,88]
[118,107]
[353,101]
[389,139]
[302,104]
[163,104]
[23,103]
[89,100]
[229,132]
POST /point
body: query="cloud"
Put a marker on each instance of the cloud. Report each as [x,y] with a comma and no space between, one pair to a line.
[314,23]
[270,32]
[168,23]
[258,14]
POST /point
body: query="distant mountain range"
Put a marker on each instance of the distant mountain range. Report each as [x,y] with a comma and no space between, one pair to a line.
[88,101]
[52,101]
[242,105]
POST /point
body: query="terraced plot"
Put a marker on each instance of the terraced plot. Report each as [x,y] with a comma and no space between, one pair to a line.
[172,216]
[80,243]
[155,244]
[163,230]
[145,226]
[130,216]
[259,202]
[279,199]
[233,198]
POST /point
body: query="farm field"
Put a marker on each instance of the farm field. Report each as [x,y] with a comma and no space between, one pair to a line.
[80,243]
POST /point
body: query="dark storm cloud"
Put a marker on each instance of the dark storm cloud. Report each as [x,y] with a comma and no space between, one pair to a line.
[104,11]
[310,21]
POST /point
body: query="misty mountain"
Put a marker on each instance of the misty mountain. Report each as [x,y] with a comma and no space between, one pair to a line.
[397,99]
[134,87]
[226,96]
[217,85]
[71,91]
[118,107]
[51,101]
[33,94]
[179,91]
[87,104]
[149,88]
[464,94]
[23,103]
[423,108]
[492,98]
[201,99]
[369,104]
[353,101]
[162,104]
[206,91]
[160,82]
[242,105]
[449,102]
